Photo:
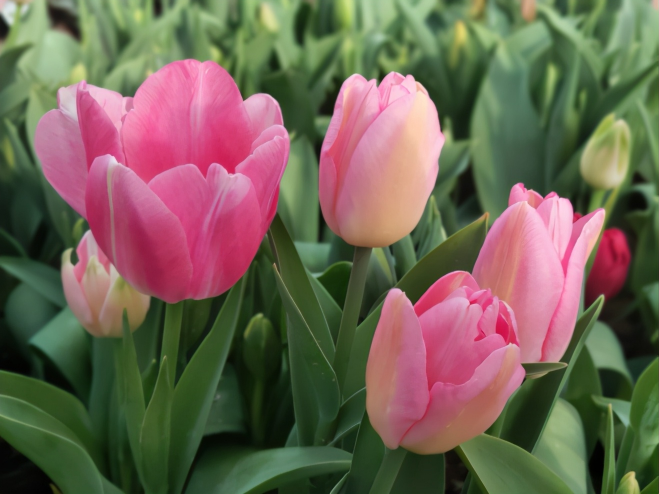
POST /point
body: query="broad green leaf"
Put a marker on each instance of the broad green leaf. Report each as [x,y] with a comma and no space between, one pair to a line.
[8,62]
[58,404]
[294,276]
[227,412]
[421,474]
[298,194]
[366,459]
[194,392]
[488,458]
[39,276]
[350,415]
[530,407]
[66,345]
[535,370]
[609,470]
[562,446]
[244,471]
[331,309]
[316,395]
[52,446]
[621,408]
[458,252]
[335,280]
[607,353]
[652,487]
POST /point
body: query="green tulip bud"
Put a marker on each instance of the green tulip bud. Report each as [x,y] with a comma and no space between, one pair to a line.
[605,160]
[629,485]
[268,19]
[261,348]
[344,13]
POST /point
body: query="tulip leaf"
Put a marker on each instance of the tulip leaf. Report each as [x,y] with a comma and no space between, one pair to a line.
[652,487]
[240,470]
[366,460]
[562,446]
[458,252]
[421,474]
[65,344]
[52,446]
[329,306]
[609,359]
[227,412]
[488,458]
[58,404]
[621,408]
[535,370]
[41,277]
[350,415]
[316,396]
[294,277]
[335,280]
[530,407]
[193,396]
[609,473]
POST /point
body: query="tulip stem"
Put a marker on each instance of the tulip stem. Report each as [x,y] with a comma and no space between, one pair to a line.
[171,336]
[596,199]
[351,309]
[389,468]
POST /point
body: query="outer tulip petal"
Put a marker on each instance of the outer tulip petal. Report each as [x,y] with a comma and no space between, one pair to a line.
[396,384]
[144,239]
[519,264]
[99,133]
[58,144]
[519,193]
[406,131]
[264,112]
[187,112]
[73,293]
[230,235]
[95,284]
[442,288]
[584,237]
[458,413]
[265,167]
[450,333]
[119,297]
[557,214]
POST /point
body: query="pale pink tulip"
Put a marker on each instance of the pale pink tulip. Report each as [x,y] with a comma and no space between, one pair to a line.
[179,184]
[533,258]
[97,295]
[378,163]
[441,371]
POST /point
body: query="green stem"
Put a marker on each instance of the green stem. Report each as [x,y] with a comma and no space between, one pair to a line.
[256,409]
[171,337]
[596,199]
[351,309]
[389,468]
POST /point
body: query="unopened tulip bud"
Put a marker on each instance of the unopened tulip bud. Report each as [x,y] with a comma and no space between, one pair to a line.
[261,347]
[378,163]
[629,485]
[344,12]
[268,19]
[609,271]
[460,37]
[97,295]
[605,160]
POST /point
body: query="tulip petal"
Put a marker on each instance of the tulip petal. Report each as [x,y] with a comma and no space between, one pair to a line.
[585,233]
[265,167]
[407,131]
[144,240]
[519,193]
[122,296]
[519,263]
[396,384]
[75,297]
[58,144]
[457,413]
[95,283]
[264,112]
[99,133]
[442,288]
[187,112]
[451,336]
[87,247]
[557,214]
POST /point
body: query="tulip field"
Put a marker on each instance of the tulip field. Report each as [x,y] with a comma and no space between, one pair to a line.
[329,246]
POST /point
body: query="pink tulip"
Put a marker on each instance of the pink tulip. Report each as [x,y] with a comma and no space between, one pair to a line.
[533,258]
[97,295]
[441,371]
[179,184]
[378,163]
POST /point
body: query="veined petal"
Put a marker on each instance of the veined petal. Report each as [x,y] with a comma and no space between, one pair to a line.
[99,132]
[442,288]
[264,112]
[122,296]
[519,193]
[75,297]
[557,213]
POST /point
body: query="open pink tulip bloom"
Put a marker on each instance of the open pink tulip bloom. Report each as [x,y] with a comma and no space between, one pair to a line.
[533,258]
[378,163]
[441,371]
[97,295]
[179,184]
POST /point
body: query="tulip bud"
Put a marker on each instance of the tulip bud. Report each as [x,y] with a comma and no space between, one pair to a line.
[605,160]
[534,258]
[440,372]
[261,348]
[344,12]
[609,271]
[268,19]
[460,37]
[378,163]
[97,295]
[78,73]
[629,485]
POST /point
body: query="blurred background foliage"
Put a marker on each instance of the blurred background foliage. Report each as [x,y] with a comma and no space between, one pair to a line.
[519,87]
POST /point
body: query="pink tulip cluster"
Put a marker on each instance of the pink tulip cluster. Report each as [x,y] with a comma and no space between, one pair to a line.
[180,183]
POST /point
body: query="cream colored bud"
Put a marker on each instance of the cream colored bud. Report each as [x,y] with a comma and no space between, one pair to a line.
[605,160]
